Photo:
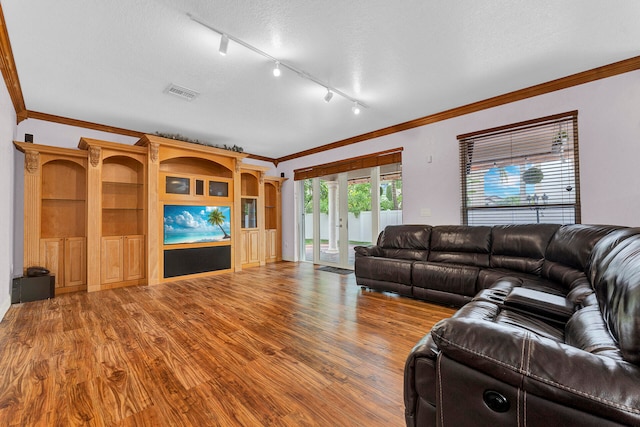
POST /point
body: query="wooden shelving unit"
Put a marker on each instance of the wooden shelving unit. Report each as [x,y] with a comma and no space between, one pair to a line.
[273,218]
[55,212]
[95,216]
[252,218]
[117,205]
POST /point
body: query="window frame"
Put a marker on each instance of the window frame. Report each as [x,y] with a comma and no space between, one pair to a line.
[544,124]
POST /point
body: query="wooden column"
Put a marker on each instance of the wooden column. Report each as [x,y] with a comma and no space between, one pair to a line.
[33,192]
[154,227]
[94,218]
[261,247]
[235,217]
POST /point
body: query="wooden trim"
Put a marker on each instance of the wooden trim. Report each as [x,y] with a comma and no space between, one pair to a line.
[10,72]
[263,158]
[354,163]
[588,76]
[82,124]
[146,140]
[518,126]
[48,149]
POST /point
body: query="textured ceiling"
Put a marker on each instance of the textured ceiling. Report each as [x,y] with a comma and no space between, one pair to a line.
[109,62]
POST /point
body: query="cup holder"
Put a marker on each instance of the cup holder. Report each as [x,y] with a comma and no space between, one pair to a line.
[496,401]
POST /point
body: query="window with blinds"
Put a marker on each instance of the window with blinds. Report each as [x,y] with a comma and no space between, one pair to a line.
[522,173]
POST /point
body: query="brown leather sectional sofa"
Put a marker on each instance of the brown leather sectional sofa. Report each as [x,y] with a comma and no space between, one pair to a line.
[549,329]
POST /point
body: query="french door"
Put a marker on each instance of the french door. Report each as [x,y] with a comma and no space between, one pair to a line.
[343,210]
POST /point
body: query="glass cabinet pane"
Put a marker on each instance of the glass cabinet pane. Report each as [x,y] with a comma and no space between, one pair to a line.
[249,213]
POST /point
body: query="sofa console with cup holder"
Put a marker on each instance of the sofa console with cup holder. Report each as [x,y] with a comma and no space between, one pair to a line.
[548,330]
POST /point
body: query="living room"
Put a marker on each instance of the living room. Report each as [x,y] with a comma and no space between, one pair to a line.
[605,95]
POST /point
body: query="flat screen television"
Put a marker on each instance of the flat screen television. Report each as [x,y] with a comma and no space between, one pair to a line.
[196,224]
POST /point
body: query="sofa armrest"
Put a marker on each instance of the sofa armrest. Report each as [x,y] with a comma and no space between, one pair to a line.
[371,250]
[543,367]
[420,376]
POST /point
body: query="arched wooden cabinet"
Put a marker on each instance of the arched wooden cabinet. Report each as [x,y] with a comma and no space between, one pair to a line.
[110,215]
[273,218]
[55,213]
[116,229]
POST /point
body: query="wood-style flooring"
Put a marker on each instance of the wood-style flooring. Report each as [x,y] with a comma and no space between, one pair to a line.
[283,345]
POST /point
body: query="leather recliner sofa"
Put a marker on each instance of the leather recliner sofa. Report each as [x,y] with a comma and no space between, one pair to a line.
[549,328]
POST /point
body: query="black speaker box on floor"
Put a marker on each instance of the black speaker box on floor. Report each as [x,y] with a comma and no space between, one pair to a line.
[27,289]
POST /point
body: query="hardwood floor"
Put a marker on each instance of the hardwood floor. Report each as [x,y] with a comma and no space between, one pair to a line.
[283,345]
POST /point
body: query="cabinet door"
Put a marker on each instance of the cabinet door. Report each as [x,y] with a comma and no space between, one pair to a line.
[134,259]
[254,246]
[111,266]
[271,245]
[75,261]
[52,258]
[244,247]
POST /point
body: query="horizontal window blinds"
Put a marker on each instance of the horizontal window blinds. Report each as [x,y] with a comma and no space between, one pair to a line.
[368,161]
[526,172]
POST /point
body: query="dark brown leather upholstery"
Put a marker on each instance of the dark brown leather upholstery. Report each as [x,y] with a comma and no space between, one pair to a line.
[557,342]
[387,266]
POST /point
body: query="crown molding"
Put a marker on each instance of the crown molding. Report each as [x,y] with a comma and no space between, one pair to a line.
[81,123]
[9,71]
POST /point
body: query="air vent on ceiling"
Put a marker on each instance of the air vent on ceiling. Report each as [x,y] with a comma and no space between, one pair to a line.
[181,92]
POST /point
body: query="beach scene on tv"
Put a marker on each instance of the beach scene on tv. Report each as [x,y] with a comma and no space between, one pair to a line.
[196,224]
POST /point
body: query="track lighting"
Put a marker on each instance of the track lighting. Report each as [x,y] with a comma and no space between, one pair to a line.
[224,43]
[328,96]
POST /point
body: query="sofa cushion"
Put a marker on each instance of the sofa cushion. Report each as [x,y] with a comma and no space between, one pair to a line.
[617,287]
[567,258]
[461,244]
[602,250]
[409,242]
[405,237]
[521,247]
[384,269]
[488,277]
[587,330]
[457,279]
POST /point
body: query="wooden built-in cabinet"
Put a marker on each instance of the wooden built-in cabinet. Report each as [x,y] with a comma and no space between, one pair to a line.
[187,183]
[273,218]
[252,218]
[260,216]
[55,213]
[117,210]
[110,215]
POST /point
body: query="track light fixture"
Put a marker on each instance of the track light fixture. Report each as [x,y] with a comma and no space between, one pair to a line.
[328,96]
[224,42]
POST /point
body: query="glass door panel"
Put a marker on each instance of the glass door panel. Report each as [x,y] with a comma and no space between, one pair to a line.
[330,221]
[342,211]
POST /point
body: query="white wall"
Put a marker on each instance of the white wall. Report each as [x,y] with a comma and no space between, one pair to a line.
[65,136]
[609,141]
[7,129]
[609,137]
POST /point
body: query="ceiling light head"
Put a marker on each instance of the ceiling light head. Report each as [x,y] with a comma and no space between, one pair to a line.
[276,69]
[355,108]
[328,96]
[224,44]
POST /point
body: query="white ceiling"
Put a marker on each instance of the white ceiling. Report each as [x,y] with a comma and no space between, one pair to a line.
[108,62]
